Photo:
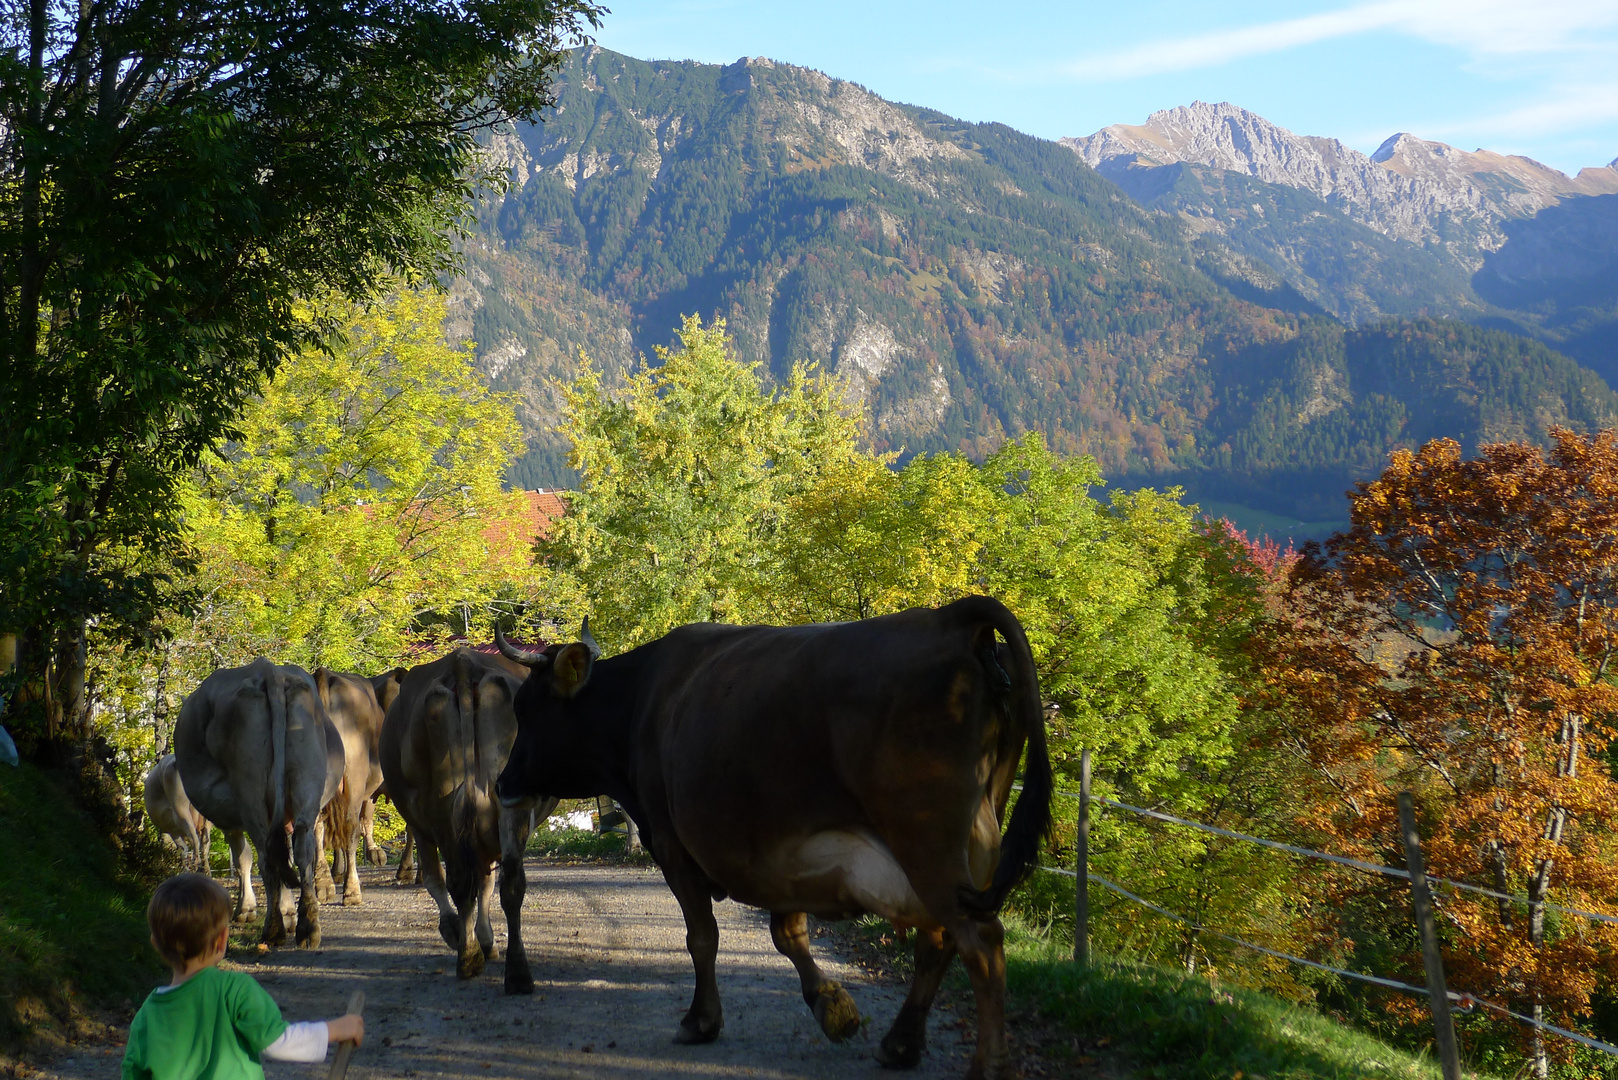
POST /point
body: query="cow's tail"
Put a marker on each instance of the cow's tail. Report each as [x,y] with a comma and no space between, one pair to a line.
[277,850]
[1031,817]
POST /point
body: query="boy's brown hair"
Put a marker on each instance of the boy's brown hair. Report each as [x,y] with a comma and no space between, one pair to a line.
[186,914]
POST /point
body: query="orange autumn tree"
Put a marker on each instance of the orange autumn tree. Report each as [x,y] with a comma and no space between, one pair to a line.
[1459,640]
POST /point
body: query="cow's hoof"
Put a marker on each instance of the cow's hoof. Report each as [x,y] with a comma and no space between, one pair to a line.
[449,928]
[838,1015]
[470,965]
[695,1032]
[519,982]
[898,1052]
[351,898]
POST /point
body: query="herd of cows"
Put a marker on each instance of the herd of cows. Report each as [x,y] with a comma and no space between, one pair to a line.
[830,770]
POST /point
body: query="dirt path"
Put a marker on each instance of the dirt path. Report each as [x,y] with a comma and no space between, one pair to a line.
[612,979]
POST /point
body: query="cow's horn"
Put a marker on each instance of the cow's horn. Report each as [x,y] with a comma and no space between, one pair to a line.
[511,652]
[589,640]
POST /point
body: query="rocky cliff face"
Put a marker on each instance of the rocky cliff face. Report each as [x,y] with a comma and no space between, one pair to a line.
[1410,189]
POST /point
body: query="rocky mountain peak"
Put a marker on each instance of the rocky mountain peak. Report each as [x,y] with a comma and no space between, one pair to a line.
[1403,190]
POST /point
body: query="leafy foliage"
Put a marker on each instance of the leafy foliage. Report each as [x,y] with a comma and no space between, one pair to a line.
[1457,641]
[705,496]
[173,180]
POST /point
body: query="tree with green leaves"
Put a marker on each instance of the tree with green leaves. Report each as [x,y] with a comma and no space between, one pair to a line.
[173,182]
[685,475]
[359,514]
[362,507]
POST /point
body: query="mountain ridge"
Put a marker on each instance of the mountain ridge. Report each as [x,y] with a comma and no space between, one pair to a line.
[1406,189]
[967,283]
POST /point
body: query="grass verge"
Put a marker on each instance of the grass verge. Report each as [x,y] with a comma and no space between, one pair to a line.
[1118,1017]
[72,928]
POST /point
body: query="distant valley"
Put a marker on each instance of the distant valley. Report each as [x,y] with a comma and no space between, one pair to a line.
[1187,318]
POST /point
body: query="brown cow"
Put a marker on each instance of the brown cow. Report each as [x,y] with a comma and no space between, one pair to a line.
[258,754]
[444,743]
[387,686]
[833,770]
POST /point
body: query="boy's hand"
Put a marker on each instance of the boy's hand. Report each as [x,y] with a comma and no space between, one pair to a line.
[350,1028]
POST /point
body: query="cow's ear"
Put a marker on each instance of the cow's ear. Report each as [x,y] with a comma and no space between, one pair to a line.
[571,669]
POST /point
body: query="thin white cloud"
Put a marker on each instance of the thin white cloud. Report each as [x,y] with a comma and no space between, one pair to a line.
[1480,27]
[1573,108]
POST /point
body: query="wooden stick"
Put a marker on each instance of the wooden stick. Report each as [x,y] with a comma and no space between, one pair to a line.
[345,1049]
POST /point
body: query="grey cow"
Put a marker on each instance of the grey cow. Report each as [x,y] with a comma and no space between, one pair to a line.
[171,811]
[258,754]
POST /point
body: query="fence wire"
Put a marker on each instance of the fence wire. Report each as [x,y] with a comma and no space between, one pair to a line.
[1357,864]
[1466,1001]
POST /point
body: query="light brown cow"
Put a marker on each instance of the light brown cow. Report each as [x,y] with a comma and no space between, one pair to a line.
[257,754]
[445,741]
[352,705]
[171,811]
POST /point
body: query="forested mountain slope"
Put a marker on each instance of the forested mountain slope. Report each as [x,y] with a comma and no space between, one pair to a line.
[965,280]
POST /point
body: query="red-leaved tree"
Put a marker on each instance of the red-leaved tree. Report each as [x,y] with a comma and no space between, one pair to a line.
[1459,640]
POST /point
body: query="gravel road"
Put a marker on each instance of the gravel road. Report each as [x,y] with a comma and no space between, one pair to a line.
[612,979]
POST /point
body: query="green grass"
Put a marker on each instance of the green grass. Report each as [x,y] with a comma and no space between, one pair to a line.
[72,929]
[584,845]
[1170,1024]
[1158,1023]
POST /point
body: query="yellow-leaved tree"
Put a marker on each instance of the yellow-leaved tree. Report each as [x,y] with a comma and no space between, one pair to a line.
[360,509]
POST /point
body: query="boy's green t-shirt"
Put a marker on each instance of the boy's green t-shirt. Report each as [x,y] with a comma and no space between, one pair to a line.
[213,1026]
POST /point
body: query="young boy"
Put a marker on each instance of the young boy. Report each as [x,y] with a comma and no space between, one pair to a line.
[209,1024]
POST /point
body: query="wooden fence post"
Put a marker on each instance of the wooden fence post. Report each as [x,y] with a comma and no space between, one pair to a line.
[1443,1025]
[1081,927]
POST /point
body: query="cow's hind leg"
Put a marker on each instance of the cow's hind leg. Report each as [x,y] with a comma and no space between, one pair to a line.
[902,1046]
[345,834]
[691,887]
[325,883]
[241,858]
[485,926]
[449,926]
[271,855]
[373,851]
[833,1008]
[982,950]
[309,857]
[465,885]
[409,868]
[514,828]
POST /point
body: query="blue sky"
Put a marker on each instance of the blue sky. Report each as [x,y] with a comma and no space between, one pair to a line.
[1537,78]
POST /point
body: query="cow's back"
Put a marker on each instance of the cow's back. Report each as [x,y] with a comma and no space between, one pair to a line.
[253,743]
[818,728]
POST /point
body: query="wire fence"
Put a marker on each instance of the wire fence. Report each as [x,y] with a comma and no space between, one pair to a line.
[1467,1002]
